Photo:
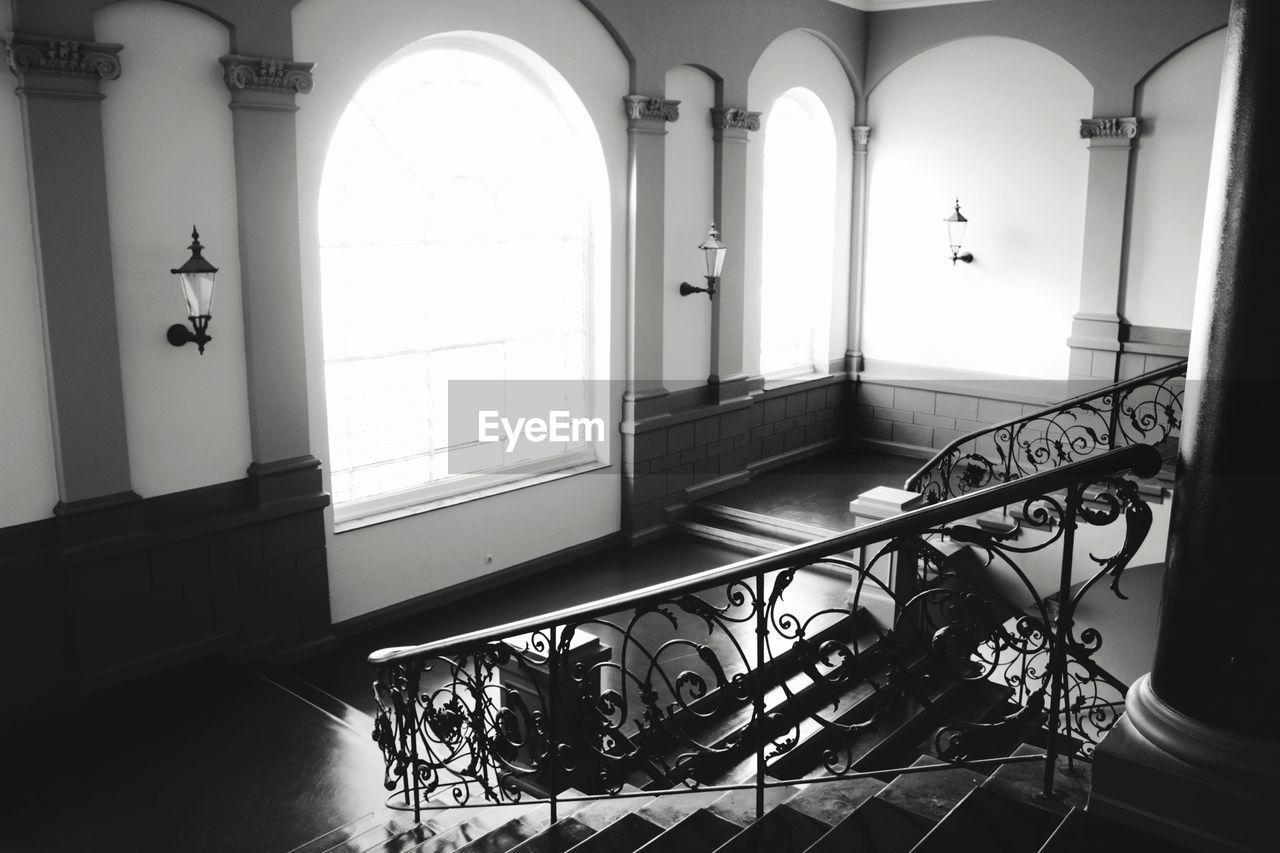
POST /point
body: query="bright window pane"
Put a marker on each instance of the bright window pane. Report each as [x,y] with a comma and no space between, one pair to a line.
[797,251]
[455,237]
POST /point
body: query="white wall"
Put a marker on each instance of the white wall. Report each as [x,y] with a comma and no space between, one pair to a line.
[377,566]
[28,489]
[689,185]
[800,59]
[994,121]
[1177,105]
[168,145]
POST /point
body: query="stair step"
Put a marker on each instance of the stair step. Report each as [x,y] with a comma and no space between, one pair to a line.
[875,826]
[770,525]
[560,837]
[340,834]
[984,820]
[976,704]
[408,837]
[624,835]
[1024,781]
[930,794]
[373,836]
[699,832]
[750,543]
[832,802]
[739,807]
[781,830]
[1083,830]
[478,823]
[889,744]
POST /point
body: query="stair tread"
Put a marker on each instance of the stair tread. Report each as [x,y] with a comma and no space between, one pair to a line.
[372,836]
[625,835]
[700,831]
[560,837]
[1024,781]
[984,820]
[781,830]
[340,834]
[479,824]
[974,704]
[739,807]
[930,794]
[831,802]
[1081,830]
[875,826]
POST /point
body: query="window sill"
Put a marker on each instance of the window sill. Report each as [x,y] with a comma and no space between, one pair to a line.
[383,516]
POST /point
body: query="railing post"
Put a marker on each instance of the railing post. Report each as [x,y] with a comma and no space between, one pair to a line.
[553,725]
[757,687]
[415,670]
[1058,656]
[1113,427]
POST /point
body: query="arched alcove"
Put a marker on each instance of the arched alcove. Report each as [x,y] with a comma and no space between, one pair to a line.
[992,121]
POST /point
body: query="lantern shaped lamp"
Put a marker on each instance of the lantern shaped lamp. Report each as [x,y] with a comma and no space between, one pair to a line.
[956,223]
[713,251]
[196,278]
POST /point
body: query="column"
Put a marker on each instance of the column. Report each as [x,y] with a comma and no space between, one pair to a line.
[59,87]
[853,358]
[1095,330]
[646,154]
[1197,755]
[730,130]
[262,105]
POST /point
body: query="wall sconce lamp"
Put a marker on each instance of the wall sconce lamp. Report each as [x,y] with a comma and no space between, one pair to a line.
[713,250]
[196,278]
[955,235]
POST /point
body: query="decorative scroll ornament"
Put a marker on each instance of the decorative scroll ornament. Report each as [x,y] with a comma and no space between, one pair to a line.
[25,54]
[734,119]
[1125,127]
[861,136]
[642,107]
[271,75]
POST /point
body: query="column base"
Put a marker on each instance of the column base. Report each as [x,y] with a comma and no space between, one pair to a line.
[1169,775]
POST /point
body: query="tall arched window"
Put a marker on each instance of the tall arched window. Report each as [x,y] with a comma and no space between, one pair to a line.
[458,214]
[797,251]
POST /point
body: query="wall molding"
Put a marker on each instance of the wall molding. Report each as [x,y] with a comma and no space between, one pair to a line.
[639,107]
[734,118]
[25,54]
[266,74]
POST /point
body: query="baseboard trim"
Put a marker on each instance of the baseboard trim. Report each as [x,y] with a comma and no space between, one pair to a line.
[897,448]
[440,597]
[794,455]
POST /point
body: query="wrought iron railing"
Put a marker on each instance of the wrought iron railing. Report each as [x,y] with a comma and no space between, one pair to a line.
[574,704]
[1144,410]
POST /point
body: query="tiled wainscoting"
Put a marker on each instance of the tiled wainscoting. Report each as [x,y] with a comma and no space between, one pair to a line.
[686,455]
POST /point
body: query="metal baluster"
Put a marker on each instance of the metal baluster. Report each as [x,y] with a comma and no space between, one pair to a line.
[415,672]
[553,730]
[1113,427]
[1058,653]
[757,698]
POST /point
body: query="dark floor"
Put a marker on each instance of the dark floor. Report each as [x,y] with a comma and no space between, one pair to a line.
[217,757]
[817,490]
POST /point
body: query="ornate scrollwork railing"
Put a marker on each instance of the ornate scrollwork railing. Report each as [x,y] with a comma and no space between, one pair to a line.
[729,674]
[1144,410]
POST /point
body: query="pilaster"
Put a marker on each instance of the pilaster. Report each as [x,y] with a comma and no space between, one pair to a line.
[59,88]
[853,358]
[263,92]
[646,152]
[731,129]
[1096,328]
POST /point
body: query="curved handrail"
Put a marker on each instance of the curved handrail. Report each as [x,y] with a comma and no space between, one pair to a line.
[1142,459]
[1169,371]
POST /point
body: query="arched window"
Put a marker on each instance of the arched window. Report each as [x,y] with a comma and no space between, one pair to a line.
[458,211]
[797,250]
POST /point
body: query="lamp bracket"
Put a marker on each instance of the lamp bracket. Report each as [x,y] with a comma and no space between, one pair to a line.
[179,335]
[687,289]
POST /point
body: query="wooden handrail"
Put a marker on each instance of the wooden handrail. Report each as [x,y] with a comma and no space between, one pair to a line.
[1166,372]
[1142,459]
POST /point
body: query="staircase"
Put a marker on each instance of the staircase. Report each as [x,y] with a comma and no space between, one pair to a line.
[758,705]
